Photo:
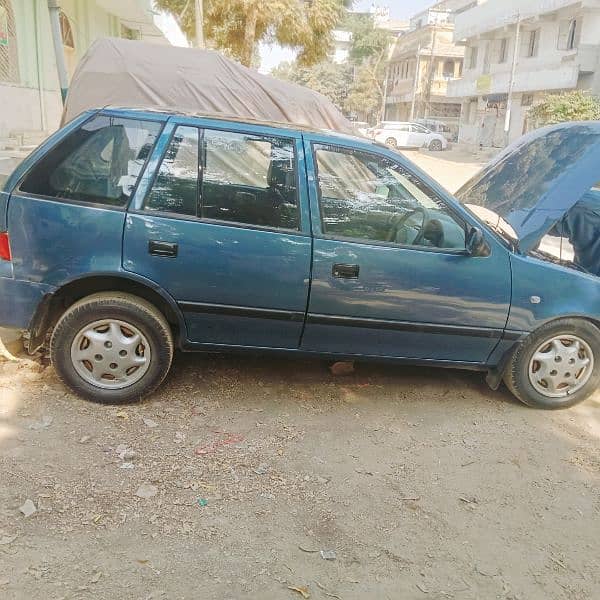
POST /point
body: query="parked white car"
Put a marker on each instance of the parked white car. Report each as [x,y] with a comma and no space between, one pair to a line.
[408,135]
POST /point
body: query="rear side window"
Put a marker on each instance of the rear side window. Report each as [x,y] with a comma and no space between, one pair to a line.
[100,163]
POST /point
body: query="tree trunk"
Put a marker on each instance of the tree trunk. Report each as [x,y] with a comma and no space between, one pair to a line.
[249,36]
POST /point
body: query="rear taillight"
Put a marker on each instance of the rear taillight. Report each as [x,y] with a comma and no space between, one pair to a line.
[4,246]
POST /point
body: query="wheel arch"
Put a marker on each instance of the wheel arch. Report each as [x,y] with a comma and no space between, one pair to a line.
[54,305]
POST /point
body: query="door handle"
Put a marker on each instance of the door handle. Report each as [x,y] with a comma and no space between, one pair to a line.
[158,248]
[345,271]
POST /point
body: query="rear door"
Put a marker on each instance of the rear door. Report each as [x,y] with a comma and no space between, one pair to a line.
[224,228]
[418,136]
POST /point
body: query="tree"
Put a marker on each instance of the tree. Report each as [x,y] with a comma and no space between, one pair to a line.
[575,105]
[238,26]
[327,78]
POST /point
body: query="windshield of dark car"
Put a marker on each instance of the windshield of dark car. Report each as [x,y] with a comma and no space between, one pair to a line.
[518,179]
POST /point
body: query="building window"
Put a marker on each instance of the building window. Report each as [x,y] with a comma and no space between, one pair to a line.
[9,58]
[567,35]
[473,57]
[448,69]
[533,43]
[502,50]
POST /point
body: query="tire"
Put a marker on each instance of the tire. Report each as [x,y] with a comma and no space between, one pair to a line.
[391,142]
[436,146]
[527,380]
[92,318]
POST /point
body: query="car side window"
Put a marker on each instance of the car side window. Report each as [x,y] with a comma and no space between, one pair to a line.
[175,189]
[99,163]
[365,196]
[249,178]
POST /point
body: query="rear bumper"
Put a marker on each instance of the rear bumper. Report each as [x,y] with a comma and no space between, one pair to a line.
[19,301]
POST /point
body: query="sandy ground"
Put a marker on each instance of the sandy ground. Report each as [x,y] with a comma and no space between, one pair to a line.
[230,480]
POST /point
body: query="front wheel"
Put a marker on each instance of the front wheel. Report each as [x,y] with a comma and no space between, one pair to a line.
[436,146]
[112,348]
[392,142]
[557,366]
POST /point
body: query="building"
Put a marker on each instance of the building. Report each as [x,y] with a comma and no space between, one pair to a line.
[554,45]
[29,88]
[423,61]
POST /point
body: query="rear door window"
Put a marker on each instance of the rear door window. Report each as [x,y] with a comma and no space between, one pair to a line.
[99,163]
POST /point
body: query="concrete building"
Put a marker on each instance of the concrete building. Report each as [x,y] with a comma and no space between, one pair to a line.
[29,89]
[423,61]
[558,48]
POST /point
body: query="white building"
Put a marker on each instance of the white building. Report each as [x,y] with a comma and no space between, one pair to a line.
[558,49]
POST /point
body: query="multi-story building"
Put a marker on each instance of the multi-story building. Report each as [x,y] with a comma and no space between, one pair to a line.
[29,88]
[423,61]
[540,46]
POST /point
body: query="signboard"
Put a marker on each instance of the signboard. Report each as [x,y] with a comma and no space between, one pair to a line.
[484,84]
[3,26]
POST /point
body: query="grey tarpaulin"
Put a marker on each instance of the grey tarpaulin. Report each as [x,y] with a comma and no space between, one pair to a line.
[136,74]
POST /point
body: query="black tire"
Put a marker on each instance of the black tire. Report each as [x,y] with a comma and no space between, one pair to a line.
[436,146]
[124,307]
[392,142]
[516,376]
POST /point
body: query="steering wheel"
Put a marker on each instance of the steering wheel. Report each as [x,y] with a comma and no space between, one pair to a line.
[399,222]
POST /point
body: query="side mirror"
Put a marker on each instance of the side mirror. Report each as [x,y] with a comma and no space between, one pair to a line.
[476,244]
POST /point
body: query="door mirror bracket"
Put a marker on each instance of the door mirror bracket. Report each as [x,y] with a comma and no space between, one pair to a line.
[476,244]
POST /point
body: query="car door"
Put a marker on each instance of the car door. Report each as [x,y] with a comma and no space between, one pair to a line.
[221,227]
[418,137]
[391,276]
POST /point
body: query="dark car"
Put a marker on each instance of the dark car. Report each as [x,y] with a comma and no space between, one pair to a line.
[131,233]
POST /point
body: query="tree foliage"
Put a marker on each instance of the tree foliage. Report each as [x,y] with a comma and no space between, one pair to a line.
[575,105]
[238,26]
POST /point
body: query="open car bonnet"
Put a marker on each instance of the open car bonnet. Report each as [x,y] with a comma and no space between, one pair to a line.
[532,184]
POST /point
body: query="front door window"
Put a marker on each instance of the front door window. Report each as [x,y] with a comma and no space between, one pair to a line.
[371,198]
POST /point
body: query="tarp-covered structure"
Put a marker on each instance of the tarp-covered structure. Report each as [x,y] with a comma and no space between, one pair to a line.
[116,72]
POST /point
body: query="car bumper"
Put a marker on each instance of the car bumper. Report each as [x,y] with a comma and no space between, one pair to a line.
[19,301]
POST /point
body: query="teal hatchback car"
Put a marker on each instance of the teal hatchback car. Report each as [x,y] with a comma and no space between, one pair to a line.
[130,233]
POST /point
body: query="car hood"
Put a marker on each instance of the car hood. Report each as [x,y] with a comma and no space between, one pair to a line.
[532,184]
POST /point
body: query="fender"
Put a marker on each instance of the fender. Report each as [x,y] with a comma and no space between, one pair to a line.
[50,308]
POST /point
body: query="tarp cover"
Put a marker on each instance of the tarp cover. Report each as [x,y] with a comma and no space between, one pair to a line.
[136,74]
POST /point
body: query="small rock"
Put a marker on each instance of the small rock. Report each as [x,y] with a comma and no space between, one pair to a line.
[96,577]
[84,439]
[28,508]
[322,480]
[342,368]
[43,423]
[146,490]
[262,469]
[150,423]
[328,554]
[127,465]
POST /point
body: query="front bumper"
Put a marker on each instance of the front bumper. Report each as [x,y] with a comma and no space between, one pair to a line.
[19,301]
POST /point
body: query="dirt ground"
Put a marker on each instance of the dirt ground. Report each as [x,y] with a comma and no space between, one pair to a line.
[247,477]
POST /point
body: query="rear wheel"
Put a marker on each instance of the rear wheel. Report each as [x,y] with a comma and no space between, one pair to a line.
[112,347]
[557,366]
[392,142]
[436,146]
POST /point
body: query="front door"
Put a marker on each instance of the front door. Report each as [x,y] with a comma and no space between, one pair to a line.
[391,276]
[221,229]
[418,136]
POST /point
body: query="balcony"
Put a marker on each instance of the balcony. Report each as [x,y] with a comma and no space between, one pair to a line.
[495,14]
[551,77]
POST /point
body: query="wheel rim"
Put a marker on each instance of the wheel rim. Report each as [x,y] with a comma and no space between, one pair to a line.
[436,145]
[561,366]
[391,142]
[110,354]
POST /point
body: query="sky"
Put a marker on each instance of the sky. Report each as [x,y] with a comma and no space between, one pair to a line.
[272,55]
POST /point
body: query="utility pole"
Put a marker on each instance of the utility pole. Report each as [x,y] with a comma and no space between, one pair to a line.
[430,73]
[511,85]
[415,84]
[59,53]
[199,24]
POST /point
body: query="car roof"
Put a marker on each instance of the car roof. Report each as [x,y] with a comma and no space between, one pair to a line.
[233,119]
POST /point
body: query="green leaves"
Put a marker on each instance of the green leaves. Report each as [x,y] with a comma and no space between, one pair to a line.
[576,105]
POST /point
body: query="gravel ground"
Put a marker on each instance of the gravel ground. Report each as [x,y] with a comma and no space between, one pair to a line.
[246,477]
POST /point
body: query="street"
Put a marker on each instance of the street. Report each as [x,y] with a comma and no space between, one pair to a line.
[261,477]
